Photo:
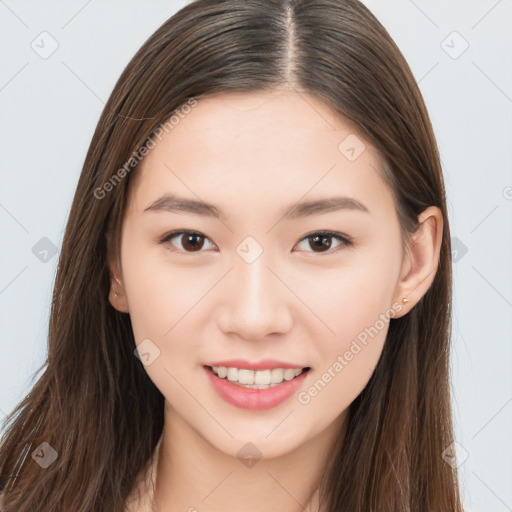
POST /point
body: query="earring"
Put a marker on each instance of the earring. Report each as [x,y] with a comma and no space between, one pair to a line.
[405,300]
[116,295]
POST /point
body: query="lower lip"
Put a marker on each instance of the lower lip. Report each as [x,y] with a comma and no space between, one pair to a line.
[255,399]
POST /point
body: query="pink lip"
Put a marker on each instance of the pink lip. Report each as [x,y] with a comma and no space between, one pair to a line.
[264,364]
[254,399]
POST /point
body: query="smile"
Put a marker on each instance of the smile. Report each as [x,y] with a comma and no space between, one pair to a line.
[259,379]
[255,389]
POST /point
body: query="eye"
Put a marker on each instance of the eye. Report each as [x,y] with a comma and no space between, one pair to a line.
[320,240]
[192,241]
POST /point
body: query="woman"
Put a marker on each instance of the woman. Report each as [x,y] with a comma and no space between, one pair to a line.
[252,305]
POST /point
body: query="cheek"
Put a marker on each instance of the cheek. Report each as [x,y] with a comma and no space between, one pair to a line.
[166,306]
[347,361]
[159,294]
[162,300]
[345,301]
[355,309]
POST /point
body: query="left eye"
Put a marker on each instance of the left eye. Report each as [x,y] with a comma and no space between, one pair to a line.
[193,241]
[319,240]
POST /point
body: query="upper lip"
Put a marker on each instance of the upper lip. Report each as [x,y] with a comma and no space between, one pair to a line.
[264,364]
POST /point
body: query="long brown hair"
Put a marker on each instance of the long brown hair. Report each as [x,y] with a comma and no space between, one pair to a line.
[95,404]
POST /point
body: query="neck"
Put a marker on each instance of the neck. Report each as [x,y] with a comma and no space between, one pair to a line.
[193,475]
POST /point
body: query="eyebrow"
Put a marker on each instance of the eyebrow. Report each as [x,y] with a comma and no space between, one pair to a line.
[174,204]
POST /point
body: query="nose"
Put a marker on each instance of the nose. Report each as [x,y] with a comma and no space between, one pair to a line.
[255,302]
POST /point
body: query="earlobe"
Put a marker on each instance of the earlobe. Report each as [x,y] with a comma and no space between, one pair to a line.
[117,296]
[421,261]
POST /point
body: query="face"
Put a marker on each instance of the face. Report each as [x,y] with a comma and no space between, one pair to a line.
[258,279]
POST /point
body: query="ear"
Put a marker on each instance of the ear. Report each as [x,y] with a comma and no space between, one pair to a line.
[421,260]
[117,296]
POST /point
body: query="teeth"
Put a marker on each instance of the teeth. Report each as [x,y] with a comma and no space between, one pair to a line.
[289,374]
[259,379]
[245,376]
[232,374]
[277,375]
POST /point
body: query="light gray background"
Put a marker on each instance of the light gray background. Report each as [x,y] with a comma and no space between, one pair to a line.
[49,108]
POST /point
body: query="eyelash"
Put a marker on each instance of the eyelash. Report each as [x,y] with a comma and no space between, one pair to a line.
[345,241]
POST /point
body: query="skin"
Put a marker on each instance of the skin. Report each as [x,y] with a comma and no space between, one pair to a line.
[253,156]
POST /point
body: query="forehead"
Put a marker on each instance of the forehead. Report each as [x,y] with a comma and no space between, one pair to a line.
[285,144]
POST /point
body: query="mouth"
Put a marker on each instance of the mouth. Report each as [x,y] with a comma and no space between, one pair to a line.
[256,379]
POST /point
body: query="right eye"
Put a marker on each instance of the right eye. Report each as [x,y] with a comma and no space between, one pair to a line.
[191,241]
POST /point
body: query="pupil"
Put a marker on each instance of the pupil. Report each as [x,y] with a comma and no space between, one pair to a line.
[192,245]
[323,238]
